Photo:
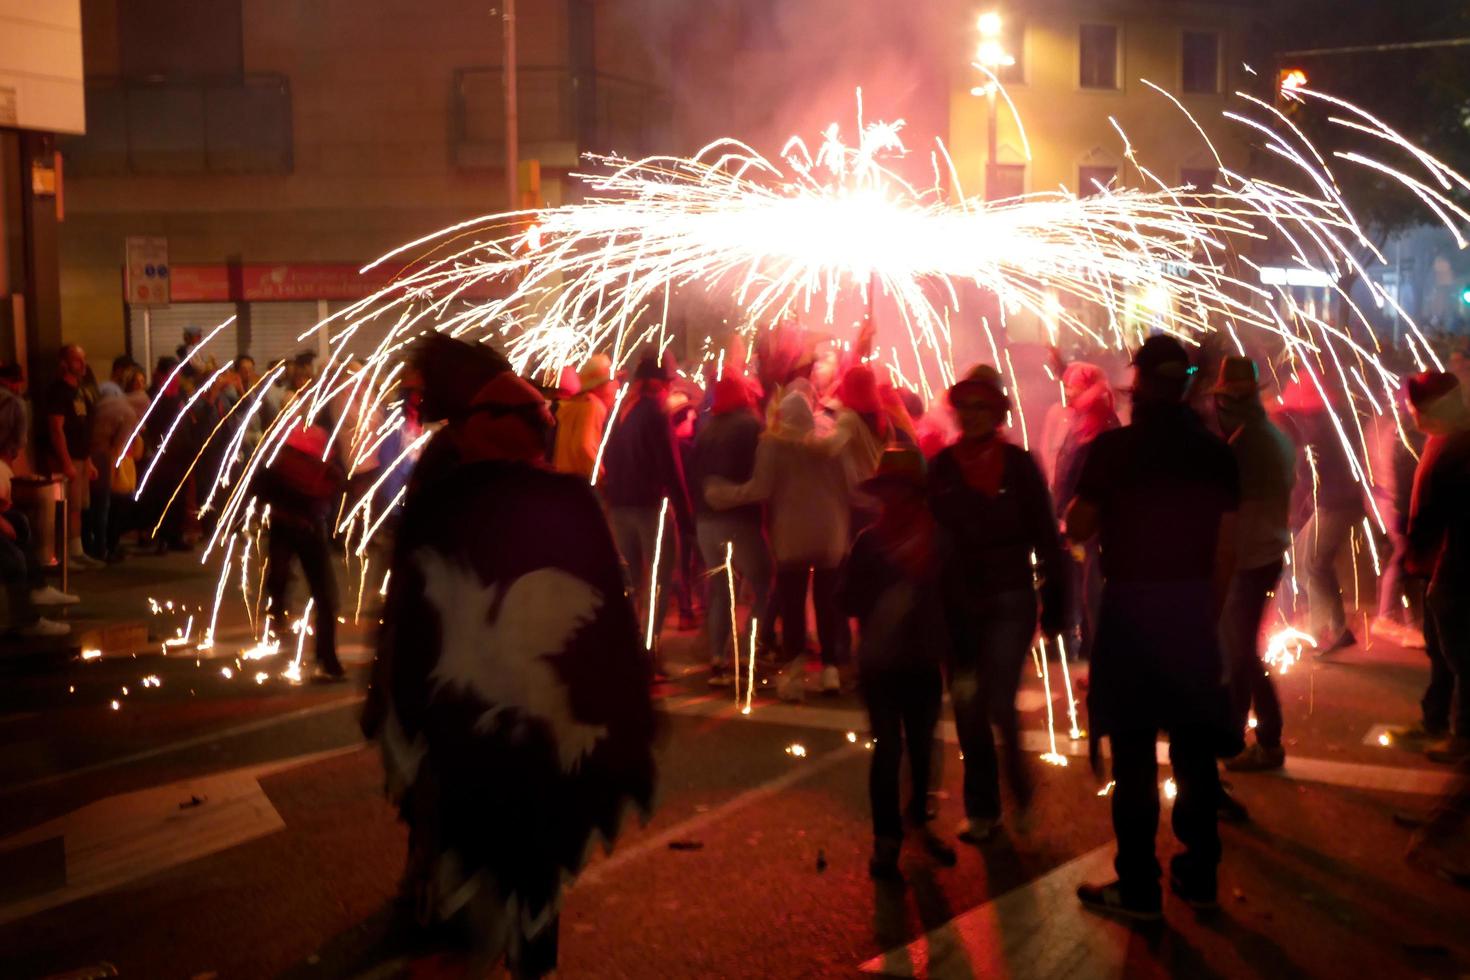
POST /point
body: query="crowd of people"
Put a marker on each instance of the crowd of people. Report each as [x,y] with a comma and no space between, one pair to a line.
[1154,549]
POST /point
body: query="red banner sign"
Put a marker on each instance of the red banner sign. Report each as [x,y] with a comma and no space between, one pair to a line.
[254,283]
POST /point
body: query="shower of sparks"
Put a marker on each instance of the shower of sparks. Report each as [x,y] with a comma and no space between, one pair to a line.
[1285,647]
[658,549]
[1074,732]
[1051,755]
[750,674]
[734,622]
[791,238]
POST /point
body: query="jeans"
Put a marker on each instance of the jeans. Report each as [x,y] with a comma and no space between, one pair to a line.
[1321,542]
[1395,586]
[1136,808]
[1447,642]
[751,559]
[903,710]
[635,531]
[308,544]
[1240,632]
[832,626]
[991,638]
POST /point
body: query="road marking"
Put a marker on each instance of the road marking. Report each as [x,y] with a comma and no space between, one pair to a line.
[1355,775]
[1037,930]
[118,839]
[660,841]
[188,743]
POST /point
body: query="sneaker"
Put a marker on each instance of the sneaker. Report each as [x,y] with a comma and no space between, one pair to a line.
[936,848]
[721,678]
[1198,891]
[45,627]
[1257,758]
[883,865]
[324,676]
[1110,899]
[1412,639]
[1455,750]
[52,596]
[831,680]
[978,831]
[1343,640]
[84,563]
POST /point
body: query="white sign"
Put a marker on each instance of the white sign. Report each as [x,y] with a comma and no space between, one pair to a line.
[146,272]
[1275,275]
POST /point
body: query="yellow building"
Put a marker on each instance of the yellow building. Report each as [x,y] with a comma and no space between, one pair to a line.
[1079,65]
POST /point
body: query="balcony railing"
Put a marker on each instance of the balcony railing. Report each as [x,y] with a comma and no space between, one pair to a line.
[627,117]
[176,127]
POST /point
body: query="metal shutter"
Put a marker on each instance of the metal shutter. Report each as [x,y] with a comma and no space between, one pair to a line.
[168,323]
[274,328]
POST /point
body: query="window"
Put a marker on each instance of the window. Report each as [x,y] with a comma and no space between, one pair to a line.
[1098,45]
[1201,180]
[160,39]
[1201,58]
[1094,180]
[1007,180]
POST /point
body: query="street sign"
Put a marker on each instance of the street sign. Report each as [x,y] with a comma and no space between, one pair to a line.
[146,271]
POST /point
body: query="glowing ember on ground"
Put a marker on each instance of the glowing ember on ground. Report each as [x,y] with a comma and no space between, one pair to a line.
[1385,739]
[797,750]
[1171,790]
[116,705]
[91,653]
[226,673]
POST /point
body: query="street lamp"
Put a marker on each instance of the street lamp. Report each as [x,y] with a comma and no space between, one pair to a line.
[991,56]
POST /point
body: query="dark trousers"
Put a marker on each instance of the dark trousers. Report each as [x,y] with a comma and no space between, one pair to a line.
[308,544]
[903,710]
[95,517]
[1447,642]
[1240,630]
[991,639]
[832,629]
[120,520]
[1136,808]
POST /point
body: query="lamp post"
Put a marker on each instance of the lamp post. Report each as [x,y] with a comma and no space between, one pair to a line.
[992,56]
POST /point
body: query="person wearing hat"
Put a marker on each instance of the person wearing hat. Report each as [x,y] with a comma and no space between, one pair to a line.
[990,498]
[1439,549]
[644,470]
[1161,493]
[1266,459]
[581,419]
[891,584]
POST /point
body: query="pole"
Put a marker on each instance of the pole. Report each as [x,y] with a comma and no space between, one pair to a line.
[148,342]
[512,133]
[992,140]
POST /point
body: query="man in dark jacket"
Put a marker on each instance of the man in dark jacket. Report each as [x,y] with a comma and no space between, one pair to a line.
[725,447]
[1439,547]
[1162,492]
[643,473]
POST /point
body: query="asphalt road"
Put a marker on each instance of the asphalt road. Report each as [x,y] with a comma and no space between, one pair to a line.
[216,826]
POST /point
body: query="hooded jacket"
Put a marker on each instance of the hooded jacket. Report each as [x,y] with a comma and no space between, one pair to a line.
[805,486]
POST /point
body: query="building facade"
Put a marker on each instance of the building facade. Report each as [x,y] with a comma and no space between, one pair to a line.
[278,146]
[40,96]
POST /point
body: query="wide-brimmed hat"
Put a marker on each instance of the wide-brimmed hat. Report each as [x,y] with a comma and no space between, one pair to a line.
[899,466]
[1238,376]
[982,382]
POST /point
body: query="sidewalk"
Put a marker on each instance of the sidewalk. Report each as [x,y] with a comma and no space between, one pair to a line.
[114,615]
